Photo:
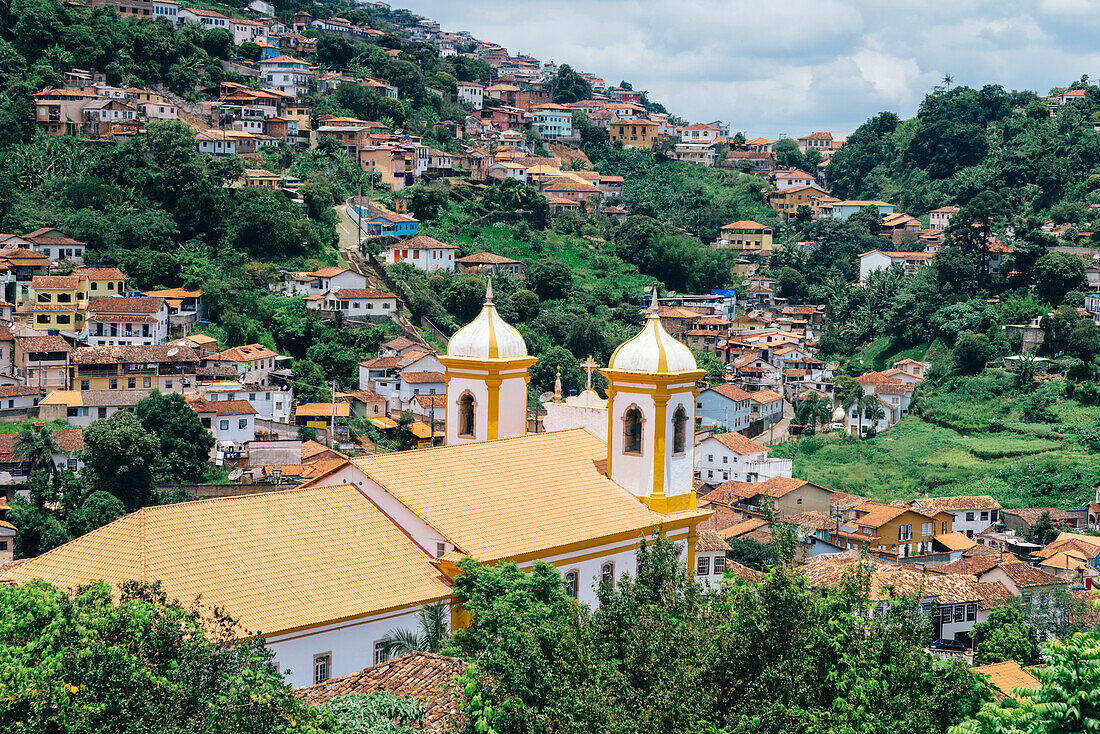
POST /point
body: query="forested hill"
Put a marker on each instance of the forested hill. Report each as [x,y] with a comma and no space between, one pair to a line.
[964,141]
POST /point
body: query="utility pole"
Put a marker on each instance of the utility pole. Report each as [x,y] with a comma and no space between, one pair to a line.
[359,219]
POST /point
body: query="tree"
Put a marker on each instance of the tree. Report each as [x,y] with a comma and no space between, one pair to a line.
[375,713]
[37,446]
[568,86]
[814,411]
[184,444]
[119,458]
[1084,340]
[1066,702]
[218,42]
[1058,273]
[791,285]
[310,385]
[972,228]
[1005,635]
[432,636]
[751,553]
[98,509]
[86,661]
[971,353]
[526,304]
[425,202]
[252,51]
[868,220]
[716,369]
[1042,531]
[550,279]
[307,433]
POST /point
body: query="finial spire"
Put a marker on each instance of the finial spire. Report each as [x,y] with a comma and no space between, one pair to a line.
[653,301]
[557,385]
[489,291]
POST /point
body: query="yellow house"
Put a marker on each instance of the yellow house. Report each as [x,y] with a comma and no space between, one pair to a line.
[634,133]
[786,202]
[61,301]
[894,532]
[746,236]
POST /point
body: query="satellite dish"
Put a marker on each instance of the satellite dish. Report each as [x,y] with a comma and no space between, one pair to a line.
[173,351]
[546,397]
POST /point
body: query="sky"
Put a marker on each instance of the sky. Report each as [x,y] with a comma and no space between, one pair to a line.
[791,67]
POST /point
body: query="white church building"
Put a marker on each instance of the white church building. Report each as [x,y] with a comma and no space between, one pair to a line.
[326,570]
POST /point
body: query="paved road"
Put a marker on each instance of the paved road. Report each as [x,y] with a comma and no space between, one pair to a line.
[778,432]
[348,231]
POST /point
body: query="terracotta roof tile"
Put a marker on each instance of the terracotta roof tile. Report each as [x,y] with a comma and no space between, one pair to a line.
[431,679]
[1007,677]
[739,444]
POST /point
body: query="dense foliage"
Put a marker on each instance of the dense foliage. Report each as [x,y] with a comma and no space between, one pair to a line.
[663,653]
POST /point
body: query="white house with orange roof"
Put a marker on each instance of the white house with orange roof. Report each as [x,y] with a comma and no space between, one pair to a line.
[796,179]
[819,141]
[254,362]
[321,281]
[733,457]
[699,133]
[892,395]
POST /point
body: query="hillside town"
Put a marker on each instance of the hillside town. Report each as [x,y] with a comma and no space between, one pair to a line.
[406,392]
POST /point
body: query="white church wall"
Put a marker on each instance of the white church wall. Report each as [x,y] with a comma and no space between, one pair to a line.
[633,472]
[513,407]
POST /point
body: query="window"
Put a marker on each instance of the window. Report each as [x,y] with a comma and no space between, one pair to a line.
[146,381]
[960,611]
[927,528]
[131,382]
[719,564]
[71,464]
[970,517]
[223,425]
[571,585]
[679,430]
[632,430]
[242,423]
[985,515]
[440,550]
[321,665]
[85,385]
[971,612]
[905,532]
[381,654]
[607,573]
[101,413]
[112,384]
[466,415]
[943,525]
[702,565]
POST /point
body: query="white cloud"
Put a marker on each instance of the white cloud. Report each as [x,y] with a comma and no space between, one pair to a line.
[795,66]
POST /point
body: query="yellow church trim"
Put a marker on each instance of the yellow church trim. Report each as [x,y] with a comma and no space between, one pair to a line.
[660,428]
[493,385]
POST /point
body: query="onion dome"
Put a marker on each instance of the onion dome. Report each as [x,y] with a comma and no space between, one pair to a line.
[653,350]
[488,336]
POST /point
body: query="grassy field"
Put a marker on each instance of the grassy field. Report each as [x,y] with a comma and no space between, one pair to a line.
[883,352]
[916,458]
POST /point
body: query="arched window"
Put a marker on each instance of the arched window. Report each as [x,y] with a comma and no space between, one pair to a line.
[679,430]
[632,430]
[466,415]
[571,585]
[607,573]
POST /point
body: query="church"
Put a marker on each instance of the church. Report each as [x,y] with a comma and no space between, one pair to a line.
[324,571]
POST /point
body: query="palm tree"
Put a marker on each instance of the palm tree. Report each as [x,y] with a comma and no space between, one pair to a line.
[852,398]
[948,81]
[866,403]
[433,634]
[820,413]
[37,447]
[875,413]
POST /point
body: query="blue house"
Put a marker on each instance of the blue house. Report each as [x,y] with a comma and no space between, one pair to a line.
[724,405]
[378,220]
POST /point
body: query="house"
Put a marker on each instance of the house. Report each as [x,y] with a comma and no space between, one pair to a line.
[747,236]
[724,405]
[1021,519]
[287,74]
[17,402]
[201,16]
[1006,678]
[471,93]
[386,376]
[412,384]
[501,170]
[874,260]
[80,408]
[815,141]
[843,209]
[422,252]
[699,132]
[552,121]
[56,245]
[15,470]
[796,180]
[61,111]
[362,304]
[429,679]
[1070,554]
[785,495]
[253,362]
[939,219]
[487,263]
[378,220]
[730,456]
[710,556]
[321,281]
[18,267]
[765,409]
[787,201]
[697,153]
[232,423]
[366,404]
[634,133]
[973,513]
[42,361]
[956,602]
[126,320]
[1034,587]
[164,367]
[894,532]
[567,188]
[892,397]
[185,308]
[272,403]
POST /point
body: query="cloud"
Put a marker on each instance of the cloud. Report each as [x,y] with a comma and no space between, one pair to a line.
[796,66]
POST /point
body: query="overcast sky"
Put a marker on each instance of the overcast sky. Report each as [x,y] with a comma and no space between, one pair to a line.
[771,67]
